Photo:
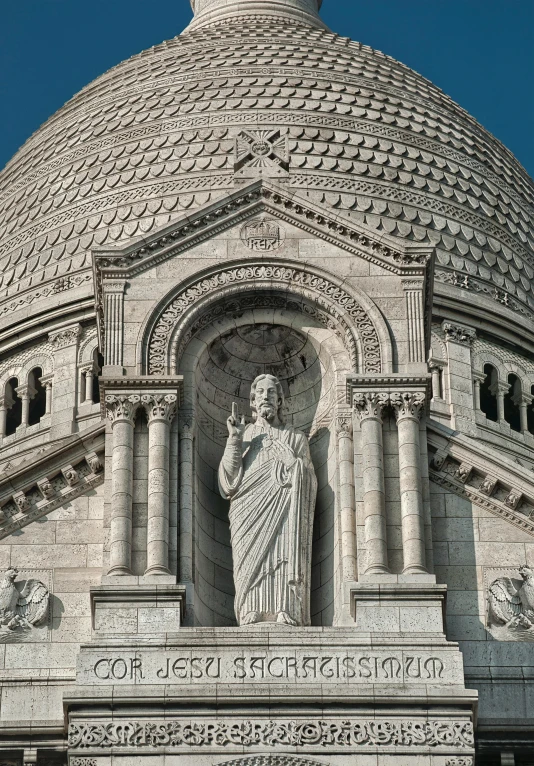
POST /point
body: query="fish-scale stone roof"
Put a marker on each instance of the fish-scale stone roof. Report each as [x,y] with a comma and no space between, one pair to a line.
[350,128]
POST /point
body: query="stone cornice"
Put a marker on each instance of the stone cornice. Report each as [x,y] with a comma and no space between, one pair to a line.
[141,386]
[387,384]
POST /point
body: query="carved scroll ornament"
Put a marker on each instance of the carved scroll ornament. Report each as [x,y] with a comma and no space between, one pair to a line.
[272,733]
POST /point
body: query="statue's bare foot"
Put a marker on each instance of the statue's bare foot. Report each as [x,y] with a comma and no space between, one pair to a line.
[284,619]
[250,618]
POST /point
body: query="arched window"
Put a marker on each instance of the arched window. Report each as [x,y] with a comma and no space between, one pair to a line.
[98,364]
[13,404]
[488,393]
[512,401]
[38,399]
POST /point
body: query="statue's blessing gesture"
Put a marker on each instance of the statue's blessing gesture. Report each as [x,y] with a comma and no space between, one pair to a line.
[267,474]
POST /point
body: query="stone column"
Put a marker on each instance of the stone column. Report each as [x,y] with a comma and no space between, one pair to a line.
[369,407]
[25,393]
[3,416]
[500,390]
[88,373]
[346,494]
[436,382]
[478,379]
[524,404]
[160,409]
[408,407]
[185,509]
[121,409]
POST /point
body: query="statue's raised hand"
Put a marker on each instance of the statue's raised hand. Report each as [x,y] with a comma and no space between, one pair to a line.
[236,425]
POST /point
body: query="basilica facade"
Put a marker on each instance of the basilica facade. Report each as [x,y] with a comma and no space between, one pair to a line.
[266,414]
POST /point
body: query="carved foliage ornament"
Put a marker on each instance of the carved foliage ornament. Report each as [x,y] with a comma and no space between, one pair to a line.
[333,298]
[408,404]
[458,333]
[160,406]
[369,404]
[343,733]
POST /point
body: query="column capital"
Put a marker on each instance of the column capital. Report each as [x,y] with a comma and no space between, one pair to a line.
[121,407]
[370,404]
[344,423]
[26,391]
[479,377]
[408,404]
[160,406]
[457,333]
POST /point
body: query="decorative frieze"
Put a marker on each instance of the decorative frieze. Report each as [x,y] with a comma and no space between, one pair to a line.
[65,337]
[353,734]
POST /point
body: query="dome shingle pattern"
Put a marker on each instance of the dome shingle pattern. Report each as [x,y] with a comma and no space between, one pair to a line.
[367,137]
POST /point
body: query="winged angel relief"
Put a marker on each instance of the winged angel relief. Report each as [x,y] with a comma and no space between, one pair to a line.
[22,606]
[511,606]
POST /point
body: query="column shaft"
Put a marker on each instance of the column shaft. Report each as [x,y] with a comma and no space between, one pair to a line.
[158,497]
[186,501]
[121,497]
[3,416]
[48,407]
[25,409]
[523,412]
[374,496]
[436,383]
[477,394]
[88,387]
[347,498]
[413,533]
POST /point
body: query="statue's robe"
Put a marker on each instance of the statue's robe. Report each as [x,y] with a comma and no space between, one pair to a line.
[271,522]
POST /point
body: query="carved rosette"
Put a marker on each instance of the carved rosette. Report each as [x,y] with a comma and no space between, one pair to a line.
[370,404]
[159,406]
[121,407]
[408,404]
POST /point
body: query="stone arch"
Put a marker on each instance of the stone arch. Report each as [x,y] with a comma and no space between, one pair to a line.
[314,292]
[44,361]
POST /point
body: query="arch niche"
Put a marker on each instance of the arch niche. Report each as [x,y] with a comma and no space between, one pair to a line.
[222,330]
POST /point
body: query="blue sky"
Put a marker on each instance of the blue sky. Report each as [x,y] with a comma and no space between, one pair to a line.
[480,52]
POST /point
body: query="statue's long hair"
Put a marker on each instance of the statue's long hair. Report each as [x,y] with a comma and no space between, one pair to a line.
[279,391]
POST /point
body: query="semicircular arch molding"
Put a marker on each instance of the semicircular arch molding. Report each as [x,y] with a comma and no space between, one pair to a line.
[345,309]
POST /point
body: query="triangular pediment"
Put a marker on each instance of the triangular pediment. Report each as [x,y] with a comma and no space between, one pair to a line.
[261,198]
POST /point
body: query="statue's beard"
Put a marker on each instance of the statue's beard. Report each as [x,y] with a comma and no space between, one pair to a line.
[267,411]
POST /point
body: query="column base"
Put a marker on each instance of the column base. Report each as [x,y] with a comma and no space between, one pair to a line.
[119,571]
[157,571]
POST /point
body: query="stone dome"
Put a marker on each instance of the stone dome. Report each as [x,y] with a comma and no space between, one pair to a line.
[344,125]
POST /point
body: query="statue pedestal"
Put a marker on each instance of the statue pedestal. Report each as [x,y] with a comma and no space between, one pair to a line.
[125,609]
[220,695]
[392,607]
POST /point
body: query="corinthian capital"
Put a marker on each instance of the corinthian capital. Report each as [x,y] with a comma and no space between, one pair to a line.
[408,404]
[160,406]
[122,406]
[344,423]
[370,404]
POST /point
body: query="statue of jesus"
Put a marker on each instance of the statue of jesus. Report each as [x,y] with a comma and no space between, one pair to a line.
[267,474]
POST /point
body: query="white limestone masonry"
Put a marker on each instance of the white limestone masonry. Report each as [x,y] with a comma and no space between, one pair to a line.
[259,199]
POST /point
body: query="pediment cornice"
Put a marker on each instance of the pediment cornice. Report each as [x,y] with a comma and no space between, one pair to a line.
[260,197]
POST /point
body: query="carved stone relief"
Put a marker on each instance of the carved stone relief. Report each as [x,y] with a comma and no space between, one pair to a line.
[353,734]
[262,235]
[23,606]
[510,605]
